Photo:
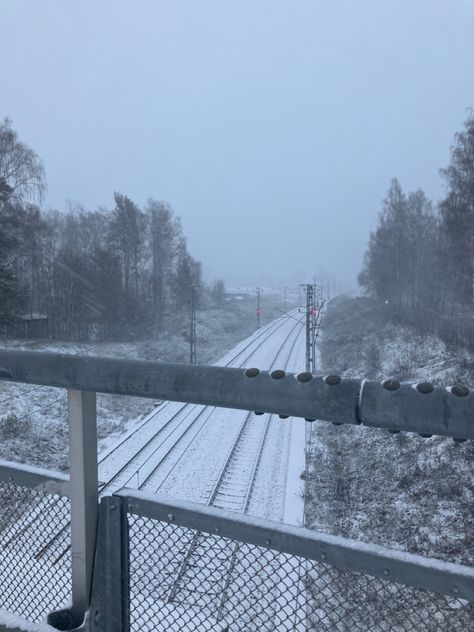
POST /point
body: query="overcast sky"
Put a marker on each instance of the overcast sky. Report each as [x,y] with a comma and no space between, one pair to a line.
[271,127]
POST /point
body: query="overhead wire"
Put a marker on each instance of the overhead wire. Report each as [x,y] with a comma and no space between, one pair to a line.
[36,388]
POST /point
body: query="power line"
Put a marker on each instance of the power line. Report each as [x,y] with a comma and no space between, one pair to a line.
[36,388]
[290,315]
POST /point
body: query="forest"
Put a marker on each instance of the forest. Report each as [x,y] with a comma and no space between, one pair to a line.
[419,264]
[101,275]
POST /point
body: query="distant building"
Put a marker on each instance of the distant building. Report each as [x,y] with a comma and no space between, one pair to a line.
[33,325]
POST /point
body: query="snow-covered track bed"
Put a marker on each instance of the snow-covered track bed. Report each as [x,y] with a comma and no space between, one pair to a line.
[167,432]
[148,456]
[133,450]
[204,567]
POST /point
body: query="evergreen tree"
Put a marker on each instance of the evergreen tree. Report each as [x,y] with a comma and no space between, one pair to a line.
[187,278]
[402,259]
[164,233]
[127,232]
[457,212]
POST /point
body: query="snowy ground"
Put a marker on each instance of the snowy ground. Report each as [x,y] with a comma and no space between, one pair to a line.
[33,426]
[354,488]
[397,490]
[185,458]
[182,449]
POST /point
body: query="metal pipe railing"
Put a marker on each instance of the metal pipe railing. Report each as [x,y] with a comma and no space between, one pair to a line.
[398,566]
[421,408]
[37,478]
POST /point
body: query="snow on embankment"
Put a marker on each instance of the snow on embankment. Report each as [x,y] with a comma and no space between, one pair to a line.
[33,419]
[396,490]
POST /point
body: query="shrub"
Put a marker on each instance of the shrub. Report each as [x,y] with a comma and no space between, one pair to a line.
[13,427]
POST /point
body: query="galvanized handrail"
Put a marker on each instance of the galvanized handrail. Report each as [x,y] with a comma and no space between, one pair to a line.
[36,478]
[410,569]
[421,408]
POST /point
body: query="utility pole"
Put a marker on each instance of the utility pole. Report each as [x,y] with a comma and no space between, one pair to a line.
[313,323]
[259,292]
[192,328]
[309,291]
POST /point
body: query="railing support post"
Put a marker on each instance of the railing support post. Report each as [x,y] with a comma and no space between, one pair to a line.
[84,496]
[110,603]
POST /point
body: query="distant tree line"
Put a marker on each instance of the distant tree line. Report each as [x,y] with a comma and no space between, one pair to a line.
[419,263]
[102,274]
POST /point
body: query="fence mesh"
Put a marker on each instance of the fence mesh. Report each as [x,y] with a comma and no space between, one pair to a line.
[188,581]
[35,566]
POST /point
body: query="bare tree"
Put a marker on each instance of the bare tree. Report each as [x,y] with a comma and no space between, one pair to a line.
[21,170]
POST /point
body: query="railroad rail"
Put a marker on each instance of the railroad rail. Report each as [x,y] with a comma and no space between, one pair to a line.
[231,491]
[148,450]
[421,408]
[57,547]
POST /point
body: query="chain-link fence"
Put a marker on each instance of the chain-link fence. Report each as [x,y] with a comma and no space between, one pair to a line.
[185,580]
[35,567]
[178,567]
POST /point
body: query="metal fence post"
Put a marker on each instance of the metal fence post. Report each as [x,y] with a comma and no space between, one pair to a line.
[83,485]
[110,601]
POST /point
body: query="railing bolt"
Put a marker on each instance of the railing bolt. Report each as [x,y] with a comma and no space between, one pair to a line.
[304,377]
[424,387]
[391,385]
[278,374]
[459,390]
[252,372]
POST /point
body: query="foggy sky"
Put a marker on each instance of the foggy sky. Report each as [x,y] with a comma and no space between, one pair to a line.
[272,128]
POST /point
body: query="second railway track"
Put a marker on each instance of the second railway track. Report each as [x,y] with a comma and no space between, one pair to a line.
[201,569]
[157,447]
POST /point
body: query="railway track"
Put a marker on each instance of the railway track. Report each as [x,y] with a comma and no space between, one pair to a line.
[174,435]
[174,431]
[157,455]
[205,568]
[143,453]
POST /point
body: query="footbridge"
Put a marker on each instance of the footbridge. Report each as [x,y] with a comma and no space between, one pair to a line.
[72,558]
